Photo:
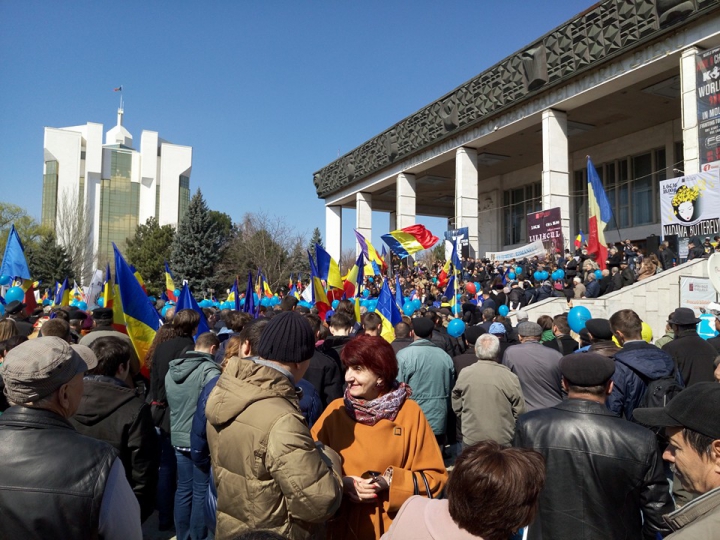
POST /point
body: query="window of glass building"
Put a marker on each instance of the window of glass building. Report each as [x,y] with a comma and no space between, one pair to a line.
[184,198]
[517,204]
[119,205]
[631,186]
[49,194]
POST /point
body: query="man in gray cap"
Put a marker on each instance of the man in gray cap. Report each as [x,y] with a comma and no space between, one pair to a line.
[55,482]
[536,367]
[605,478]
[692,426]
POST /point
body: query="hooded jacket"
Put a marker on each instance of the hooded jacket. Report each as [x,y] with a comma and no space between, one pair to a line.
[637,359]
[186,378]
[268,472]
[111,411]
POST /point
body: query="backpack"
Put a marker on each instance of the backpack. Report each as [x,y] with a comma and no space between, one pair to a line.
[660,391]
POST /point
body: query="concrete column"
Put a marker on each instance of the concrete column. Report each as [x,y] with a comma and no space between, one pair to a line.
[393,221]
[555,173]
[688,97]
[363,223]
[333,231]
[466,195]
[405,201]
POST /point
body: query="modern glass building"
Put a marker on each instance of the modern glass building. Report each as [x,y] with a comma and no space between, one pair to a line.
[113,186]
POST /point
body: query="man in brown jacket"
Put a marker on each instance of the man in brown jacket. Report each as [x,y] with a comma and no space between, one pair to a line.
[692,426]
[268,472]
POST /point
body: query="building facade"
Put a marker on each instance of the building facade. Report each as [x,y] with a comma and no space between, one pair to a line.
[618,83]
[112,186]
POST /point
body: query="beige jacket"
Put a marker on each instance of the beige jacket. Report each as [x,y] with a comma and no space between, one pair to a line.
[268,472]
[697,520]
[487,400]
[425,519]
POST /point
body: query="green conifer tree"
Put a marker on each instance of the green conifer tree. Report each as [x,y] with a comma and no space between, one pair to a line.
[195,248]
[48,261]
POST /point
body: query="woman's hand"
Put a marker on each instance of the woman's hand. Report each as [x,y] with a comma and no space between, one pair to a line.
[361,490]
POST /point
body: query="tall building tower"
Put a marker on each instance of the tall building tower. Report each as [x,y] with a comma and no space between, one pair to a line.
[96,194]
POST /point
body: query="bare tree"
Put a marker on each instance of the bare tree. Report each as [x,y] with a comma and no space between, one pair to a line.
[74,224]
[266,242]
[347,260]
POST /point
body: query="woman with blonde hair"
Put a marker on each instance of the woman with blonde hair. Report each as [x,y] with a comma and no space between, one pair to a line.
[7,329]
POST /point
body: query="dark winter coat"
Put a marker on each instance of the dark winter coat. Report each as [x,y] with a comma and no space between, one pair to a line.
[333,346]
[111,411]
[593,289]
[693,356]
[324,374]
[164,354]
[636,364]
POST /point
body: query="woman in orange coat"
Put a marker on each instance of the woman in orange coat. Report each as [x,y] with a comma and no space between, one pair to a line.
[384,440]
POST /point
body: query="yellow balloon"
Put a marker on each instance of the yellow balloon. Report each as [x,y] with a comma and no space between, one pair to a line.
[647,334]
[616,342]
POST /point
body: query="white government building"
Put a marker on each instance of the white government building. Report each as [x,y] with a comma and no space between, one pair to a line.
[618,82]
[116,185]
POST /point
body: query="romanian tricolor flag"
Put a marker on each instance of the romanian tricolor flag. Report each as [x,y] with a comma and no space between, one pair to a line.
[234,295]
[355,277]
[599,213]
[451,295]
[579,240]
[405,242]
[169,284]
[388,311]
[141,319]
[375,264]
[319,297]
[263,287]
[328,269]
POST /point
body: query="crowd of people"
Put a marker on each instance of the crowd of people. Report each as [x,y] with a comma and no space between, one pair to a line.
[292,424]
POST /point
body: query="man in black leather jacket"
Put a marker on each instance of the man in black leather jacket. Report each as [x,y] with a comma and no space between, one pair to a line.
[54,482]
[605,478]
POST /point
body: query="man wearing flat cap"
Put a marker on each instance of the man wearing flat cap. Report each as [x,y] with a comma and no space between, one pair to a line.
[54,482]
[692,354]
[605,478]
[15,310]
[637,364]
[692,425]
[536,366]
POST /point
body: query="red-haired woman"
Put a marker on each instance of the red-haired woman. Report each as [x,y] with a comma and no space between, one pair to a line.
[384,439]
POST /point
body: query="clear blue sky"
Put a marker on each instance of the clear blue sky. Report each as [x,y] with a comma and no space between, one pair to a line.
[266,92]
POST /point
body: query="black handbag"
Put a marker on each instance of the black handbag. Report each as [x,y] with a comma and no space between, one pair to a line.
[416,488]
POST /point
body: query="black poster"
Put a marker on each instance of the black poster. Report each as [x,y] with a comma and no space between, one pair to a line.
[708,105]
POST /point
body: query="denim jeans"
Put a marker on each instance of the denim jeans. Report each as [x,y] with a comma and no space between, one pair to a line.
[190,499]
[166,481]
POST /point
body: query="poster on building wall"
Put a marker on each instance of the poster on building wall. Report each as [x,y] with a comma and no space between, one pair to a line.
[696,293]
[462,237]
[546,226]
[708,104]
[690,205]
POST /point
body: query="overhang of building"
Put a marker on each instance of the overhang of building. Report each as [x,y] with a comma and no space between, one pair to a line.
[604,31]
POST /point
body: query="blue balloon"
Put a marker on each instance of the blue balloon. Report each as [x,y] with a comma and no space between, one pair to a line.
[48,302]
[265,301]
[364,303]
[577,317]
[329,314]
[177,292]
[598,274]
[335,304]
[165,310]
[511,275]
[14,293]
[242,302]
[545,275]
[275,301]
[366,293]
[478,287]
[417,303]
[537,276]
[100,302]
[372,306]
[5,280]
[408,309]
[406,299]
[518,270]
[503,310]
[456,327]
[560,273]
[371,280]
[82,305]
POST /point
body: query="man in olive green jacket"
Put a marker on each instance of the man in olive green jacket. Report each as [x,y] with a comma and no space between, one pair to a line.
[268,471]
